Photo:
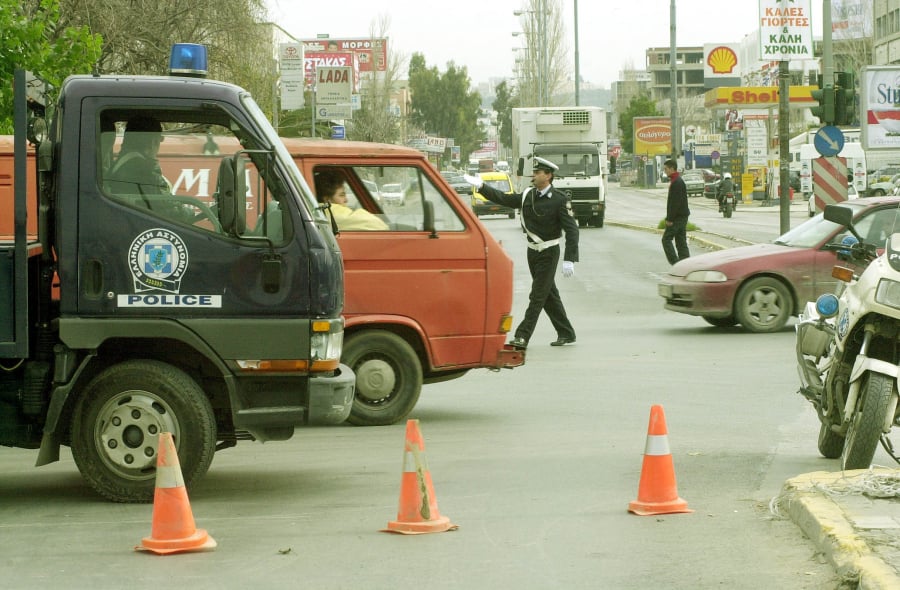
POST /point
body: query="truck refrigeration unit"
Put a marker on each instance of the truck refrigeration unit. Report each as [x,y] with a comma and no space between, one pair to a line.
[573,138]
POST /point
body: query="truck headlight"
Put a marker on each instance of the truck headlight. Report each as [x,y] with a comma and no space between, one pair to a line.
[706,276]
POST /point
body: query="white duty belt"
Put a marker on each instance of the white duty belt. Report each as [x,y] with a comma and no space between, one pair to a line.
[536,243]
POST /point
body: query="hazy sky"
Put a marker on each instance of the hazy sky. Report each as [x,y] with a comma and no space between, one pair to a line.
[478,33]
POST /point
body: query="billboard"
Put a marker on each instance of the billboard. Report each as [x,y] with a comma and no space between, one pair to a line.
[652,136]
[371,54]
[880,107]
[314,60]
[290,61]
[785,30]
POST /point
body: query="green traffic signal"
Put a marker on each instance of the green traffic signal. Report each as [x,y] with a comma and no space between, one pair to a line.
[845,105]
[826,109]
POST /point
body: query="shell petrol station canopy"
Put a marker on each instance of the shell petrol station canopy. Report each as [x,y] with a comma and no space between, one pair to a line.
[757,97]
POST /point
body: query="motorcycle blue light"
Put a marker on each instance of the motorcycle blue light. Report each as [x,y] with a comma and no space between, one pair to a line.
[827,305]
[188,59]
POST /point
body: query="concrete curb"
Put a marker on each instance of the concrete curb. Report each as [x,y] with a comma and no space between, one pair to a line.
[691,237]
[829,527]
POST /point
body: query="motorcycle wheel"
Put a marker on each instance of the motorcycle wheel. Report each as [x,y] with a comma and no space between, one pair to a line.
[727,211]
[865,426]
[831,444]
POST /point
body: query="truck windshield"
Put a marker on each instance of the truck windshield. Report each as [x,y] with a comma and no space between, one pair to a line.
[306,194]
[573,161]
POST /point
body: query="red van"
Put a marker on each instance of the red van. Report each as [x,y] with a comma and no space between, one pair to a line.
[428,298]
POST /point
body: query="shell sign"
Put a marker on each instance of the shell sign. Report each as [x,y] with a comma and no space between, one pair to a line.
[720,60]
[652,136]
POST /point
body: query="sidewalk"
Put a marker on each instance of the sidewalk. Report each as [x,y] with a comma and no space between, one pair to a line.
[853,518]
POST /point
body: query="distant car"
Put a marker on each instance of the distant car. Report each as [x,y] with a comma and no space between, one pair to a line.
[457,183]
[503,183]
[693,181]
[392,194]
[763,285]
[811,201]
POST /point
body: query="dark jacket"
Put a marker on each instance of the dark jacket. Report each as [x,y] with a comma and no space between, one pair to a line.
[725,186]
[546,217]
[677,202]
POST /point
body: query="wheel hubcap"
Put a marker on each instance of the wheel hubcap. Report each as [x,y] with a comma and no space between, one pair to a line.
[375,380]
[128,431]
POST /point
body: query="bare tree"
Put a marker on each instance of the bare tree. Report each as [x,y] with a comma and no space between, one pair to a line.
[379,117]
[542,66]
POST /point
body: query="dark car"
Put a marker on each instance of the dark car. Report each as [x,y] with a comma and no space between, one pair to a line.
[762,286]
[456,182]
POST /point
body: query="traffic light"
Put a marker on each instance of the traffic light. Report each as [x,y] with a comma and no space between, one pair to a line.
[844,99]
[825,98]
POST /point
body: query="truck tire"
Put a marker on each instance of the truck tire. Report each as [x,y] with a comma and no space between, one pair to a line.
[872,406]
[388,377]
[117,421]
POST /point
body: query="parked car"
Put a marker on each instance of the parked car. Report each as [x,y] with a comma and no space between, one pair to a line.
[884,187]
[503,183]
[763,285]
[693,181]
[851,194]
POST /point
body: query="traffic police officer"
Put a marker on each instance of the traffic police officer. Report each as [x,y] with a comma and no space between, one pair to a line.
[546,214]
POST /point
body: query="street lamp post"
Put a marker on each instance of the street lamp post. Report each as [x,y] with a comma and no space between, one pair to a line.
[542,54]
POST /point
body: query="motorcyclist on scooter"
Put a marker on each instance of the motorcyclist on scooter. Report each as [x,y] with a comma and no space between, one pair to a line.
[725,186]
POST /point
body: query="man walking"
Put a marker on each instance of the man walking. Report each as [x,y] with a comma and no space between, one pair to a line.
[677,214]
[546,214]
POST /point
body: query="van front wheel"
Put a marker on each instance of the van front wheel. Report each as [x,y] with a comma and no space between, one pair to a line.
[388,377]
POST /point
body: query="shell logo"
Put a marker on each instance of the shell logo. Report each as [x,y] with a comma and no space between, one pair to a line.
[722,60]
[655,133]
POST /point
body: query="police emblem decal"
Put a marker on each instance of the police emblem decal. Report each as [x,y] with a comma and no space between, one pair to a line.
[158,259]
[843,324]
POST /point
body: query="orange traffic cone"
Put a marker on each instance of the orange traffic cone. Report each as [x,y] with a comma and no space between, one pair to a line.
[657,492]
[173,529]
[418,512]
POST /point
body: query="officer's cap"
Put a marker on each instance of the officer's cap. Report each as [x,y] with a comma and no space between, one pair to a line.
[545,165]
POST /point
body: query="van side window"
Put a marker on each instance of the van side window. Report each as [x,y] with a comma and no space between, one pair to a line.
[397,193]
[153,161]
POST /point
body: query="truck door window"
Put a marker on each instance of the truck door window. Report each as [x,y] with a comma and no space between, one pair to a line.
[168,166]
[397,193]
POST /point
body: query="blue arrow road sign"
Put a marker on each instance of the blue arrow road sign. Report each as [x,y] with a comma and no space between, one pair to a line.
[829,141]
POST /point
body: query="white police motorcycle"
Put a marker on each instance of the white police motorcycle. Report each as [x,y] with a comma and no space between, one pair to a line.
[848,350]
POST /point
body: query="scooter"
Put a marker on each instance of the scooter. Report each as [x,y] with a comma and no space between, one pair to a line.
[848,349]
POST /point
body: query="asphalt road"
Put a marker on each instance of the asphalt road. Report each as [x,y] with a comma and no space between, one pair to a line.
[536,465]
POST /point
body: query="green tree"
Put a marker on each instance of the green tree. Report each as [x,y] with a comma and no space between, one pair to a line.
[444,105]
[31,39]
[503,105]
[138,36]
[640,105]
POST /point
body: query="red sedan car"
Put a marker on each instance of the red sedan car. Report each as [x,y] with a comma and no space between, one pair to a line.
[762,286]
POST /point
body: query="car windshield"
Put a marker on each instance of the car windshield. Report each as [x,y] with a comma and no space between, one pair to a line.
[809,234]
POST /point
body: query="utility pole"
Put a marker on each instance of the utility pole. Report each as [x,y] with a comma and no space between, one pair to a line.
[577,76]
[673,82]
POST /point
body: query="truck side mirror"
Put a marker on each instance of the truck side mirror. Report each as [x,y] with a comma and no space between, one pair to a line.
[520,167]
[231,190]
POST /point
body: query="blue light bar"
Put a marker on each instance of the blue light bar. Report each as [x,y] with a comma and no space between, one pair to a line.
[188,59]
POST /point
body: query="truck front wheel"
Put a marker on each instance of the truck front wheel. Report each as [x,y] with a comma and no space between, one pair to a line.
[388,377]
[117,421]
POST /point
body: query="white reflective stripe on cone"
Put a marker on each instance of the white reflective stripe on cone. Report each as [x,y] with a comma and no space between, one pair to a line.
[657,445]
[169,476]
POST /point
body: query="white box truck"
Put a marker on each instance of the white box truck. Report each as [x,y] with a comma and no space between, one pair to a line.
[573,138]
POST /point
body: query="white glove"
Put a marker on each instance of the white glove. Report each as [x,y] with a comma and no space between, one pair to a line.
[473,180]
[568,269]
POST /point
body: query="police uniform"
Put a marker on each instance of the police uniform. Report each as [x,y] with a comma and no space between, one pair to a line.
[545,216]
